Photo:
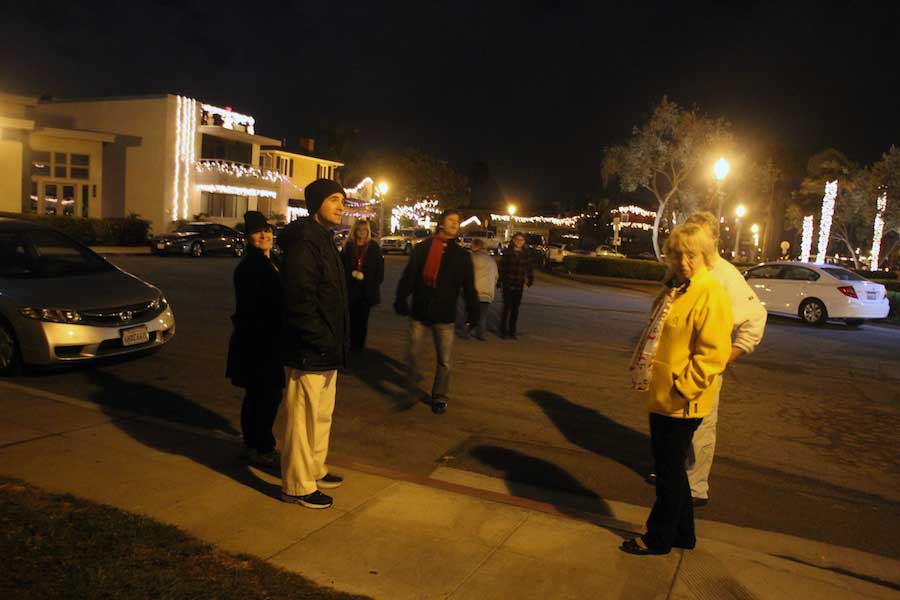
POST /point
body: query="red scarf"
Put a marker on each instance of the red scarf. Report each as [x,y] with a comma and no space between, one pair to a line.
[433,264]
[361,255]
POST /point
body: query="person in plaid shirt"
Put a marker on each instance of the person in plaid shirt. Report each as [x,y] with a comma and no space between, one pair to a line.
[516,274]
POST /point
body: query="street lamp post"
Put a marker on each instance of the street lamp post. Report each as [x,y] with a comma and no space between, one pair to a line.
[739,212]
[383,190]
[720,170]
[511,210]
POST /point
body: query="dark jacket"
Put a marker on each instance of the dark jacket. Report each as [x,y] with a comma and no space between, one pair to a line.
[437,304]
[373,272]
[316,331]
[254,347]
[516,270]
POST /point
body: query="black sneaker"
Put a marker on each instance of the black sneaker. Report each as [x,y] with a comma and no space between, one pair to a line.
[330,482]
[438,406]
[315,500]
[650,478]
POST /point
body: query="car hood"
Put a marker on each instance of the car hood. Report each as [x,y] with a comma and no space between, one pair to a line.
[394,237]
[97,290]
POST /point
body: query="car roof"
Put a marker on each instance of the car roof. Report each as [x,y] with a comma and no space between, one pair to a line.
[7,224]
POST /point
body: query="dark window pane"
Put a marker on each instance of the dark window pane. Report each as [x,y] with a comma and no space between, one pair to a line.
[40,167]
[68,200]
[34,197]
[40,156]
[60,171]
[60,158]
[80,173]
[81,160]
[85,200]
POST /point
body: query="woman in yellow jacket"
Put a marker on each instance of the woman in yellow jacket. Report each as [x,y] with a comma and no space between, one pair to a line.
[694,346]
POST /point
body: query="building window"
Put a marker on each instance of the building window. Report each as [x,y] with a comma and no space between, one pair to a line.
[51,199]
[67,203]
[229,150]
[290,168]
[264,205]
[80,166]
[85,200]
[40,164]
[223,205]
[34,197]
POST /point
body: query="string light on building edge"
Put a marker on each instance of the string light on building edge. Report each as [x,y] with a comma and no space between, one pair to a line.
[185,152]
[235,190]
[879,230]
[236,170]
[806,243]
[825,220]
[230,117]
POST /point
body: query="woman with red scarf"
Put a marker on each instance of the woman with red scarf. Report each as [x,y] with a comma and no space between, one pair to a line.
[364,268]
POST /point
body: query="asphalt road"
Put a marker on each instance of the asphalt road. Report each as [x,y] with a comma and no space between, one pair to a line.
[807,430]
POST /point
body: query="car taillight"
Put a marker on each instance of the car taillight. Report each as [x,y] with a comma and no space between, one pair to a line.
[848,291]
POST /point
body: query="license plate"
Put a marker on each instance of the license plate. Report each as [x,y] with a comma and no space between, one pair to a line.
[872,295]
[160,246]
[135,335]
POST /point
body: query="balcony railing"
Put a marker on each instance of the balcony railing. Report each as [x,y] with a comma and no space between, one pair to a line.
[238,170]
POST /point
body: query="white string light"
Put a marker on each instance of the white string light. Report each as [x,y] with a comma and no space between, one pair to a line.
[178,133]
[879,230]
[471,220]
[185,154]
[556,221]
[806,244]
[831,190]
[238,170]
[635,210]
[235,190]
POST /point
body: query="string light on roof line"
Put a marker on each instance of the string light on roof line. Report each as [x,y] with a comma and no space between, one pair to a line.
[235,190]
[806,243]
[831,189]
[879,230]
[236,170]
[556,221]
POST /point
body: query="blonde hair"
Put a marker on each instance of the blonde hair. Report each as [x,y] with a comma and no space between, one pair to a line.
[351,238]
[691,236]
[704,218]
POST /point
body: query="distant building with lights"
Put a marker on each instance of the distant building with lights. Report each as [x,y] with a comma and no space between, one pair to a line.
[163,157]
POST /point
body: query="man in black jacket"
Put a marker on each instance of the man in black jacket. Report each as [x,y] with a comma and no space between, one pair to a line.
[437,271]
[315,344]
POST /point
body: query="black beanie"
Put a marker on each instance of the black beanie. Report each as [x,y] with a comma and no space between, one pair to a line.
[318,190]
[254,221]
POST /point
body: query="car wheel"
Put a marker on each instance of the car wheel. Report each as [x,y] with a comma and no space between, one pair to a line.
[10,356]
[813,312]
[239,250]
[855,323]
[196,249]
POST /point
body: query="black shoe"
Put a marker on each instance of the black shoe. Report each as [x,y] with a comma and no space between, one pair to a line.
[698,502]
[330,482]
[315,500]
[513,336]
[636,546]
[650,478]
[438,406]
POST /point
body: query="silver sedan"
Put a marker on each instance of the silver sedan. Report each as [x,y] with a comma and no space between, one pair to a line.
[60,302]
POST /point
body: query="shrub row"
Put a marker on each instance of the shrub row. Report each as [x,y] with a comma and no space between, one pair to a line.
[615,267]
[894,298]
[129,231]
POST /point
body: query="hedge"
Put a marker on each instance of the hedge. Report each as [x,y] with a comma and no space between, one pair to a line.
[129,231]
[894,299]
[626,268]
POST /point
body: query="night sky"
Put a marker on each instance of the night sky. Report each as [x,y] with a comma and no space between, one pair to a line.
[534,89]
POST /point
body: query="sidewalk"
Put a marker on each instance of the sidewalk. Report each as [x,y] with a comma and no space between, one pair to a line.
[127,250]
[452,535]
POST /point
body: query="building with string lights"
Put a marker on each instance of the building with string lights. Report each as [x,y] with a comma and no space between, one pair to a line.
[163,157]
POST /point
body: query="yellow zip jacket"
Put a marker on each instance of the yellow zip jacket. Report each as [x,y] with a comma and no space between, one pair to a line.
[693,351]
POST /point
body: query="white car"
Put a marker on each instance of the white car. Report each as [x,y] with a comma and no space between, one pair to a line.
[608,251]
[817,293]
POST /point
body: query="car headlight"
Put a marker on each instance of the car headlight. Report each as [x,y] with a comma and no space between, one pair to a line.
[53,315]
[160,303]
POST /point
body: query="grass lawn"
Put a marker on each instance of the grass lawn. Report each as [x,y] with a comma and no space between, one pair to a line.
[55,546]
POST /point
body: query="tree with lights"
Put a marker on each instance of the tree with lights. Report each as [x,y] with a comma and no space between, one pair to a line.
[882,179]
[661,157]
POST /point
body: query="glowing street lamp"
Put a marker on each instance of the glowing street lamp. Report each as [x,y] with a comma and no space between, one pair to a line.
[739,212]
[382,190]
[755,230]
[721,168]
[511,209]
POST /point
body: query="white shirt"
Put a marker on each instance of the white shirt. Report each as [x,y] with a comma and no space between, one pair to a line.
[749,313]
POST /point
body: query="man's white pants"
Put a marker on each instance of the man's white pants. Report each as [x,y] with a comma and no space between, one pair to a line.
[700,455]
[303,428]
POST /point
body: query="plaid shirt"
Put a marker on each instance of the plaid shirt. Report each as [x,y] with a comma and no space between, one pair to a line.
[516,270]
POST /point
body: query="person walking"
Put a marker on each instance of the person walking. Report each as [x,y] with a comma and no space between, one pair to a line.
[437,271]
[516,273]
[485,272]
[315,345]
[678,362]
[253,351]
[749,326]
[364,269]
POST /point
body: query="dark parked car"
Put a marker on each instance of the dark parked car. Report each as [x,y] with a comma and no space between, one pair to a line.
[197,239]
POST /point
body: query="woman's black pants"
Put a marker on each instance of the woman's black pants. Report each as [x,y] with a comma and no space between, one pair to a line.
[671,522]
[359,323]
[512,299]
[258,412]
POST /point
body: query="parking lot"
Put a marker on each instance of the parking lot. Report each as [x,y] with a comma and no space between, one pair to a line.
[807,428]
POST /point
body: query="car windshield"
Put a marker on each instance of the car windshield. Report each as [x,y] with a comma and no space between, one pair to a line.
[843,274]
[40,253]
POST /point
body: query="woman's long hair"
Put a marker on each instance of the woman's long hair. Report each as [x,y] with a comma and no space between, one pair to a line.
[351,238]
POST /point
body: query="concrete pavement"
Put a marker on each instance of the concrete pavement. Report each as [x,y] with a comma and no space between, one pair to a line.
[455,534]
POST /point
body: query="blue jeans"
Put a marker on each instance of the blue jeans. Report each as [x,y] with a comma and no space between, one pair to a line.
[481,324]
[442,334]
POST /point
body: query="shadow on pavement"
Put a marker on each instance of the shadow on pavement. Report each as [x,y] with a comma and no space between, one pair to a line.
[518,468]
[379,371]
[217,454]
[595,432]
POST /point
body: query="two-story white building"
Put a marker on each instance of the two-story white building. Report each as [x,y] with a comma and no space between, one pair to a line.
[163,157]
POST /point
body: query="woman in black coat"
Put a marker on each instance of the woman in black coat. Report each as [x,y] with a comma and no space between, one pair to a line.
[253,351]
[364,268]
